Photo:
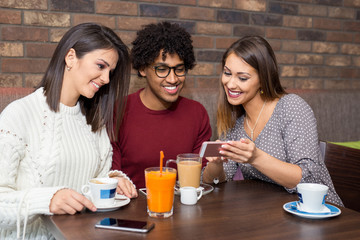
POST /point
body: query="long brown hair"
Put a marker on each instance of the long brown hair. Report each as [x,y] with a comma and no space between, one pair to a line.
[99,110]
[256,52]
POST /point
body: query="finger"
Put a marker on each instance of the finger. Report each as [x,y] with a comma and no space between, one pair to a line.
[133,190]
[125,189]
[56,210]
[244,140]
[225,153]
[228,147]
[60,211]
[235,156]
[213,159]
[69,210]
[128,190]
[65,208]
[119,191]
[234,145]
[246,150]
[239,148]
[74,204]
[81,202]
[224,159]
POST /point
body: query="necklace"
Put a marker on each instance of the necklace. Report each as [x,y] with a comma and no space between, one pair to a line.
[252,129]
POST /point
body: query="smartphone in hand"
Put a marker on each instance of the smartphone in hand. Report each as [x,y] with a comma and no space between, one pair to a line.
[125,225]
[211,149]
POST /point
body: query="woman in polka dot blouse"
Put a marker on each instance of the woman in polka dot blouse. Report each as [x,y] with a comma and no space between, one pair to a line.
[271,135]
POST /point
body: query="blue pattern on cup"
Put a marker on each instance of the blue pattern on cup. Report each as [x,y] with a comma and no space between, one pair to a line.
[107,193]
[323,202]
[300,198]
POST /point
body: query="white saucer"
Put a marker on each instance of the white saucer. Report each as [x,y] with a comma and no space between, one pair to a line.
[206,188]
[291,207]
[120,201]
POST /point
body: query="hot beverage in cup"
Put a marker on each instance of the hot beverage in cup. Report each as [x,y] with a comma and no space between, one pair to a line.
[101,191]
[160,191]
[189,173]
[189,169]
[94,180]
[312,196]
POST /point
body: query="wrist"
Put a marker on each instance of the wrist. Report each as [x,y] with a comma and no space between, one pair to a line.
[118,173]
[214,172]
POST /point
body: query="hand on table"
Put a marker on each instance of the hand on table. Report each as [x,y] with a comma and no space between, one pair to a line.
[68,201]
[125,187]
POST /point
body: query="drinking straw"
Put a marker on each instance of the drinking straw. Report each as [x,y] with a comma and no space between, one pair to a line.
[161,161]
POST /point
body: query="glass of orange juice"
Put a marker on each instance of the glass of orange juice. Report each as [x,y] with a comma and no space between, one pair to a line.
[160,191]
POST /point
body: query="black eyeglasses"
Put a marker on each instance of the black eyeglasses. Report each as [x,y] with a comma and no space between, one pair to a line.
[163,71]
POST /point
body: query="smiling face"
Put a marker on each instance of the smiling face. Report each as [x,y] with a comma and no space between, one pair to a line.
[160,93]
[87,74]
[240,80]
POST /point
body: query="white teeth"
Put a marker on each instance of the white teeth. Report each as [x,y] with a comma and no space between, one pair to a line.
[234,93]
[171,87]
[95,84]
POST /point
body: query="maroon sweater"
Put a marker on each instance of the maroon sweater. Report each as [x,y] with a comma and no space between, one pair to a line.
[144,133]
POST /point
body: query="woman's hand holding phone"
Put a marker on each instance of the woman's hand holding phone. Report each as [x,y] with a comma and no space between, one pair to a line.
[214,171]
[211,151]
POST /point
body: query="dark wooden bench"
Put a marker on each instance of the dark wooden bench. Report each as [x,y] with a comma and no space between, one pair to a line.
[343,164]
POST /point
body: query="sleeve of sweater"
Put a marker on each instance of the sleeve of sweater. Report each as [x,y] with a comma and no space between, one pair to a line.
[17,205]
[301,139]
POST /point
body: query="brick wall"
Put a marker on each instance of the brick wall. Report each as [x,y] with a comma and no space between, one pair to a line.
[317,42]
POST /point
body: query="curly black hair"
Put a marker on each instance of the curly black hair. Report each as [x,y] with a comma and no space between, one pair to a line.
[166,36]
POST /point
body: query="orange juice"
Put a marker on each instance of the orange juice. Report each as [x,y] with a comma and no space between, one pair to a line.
[160,191]
[189,173]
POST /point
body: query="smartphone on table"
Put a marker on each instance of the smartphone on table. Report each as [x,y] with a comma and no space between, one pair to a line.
[125,225]
[211,149]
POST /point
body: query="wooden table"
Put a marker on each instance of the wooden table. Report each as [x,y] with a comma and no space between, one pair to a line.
[246,209]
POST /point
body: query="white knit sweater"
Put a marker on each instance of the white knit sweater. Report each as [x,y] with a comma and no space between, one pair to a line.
[42,152]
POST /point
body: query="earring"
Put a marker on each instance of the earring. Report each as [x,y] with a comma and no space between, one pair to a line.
[68,68]
[261,91]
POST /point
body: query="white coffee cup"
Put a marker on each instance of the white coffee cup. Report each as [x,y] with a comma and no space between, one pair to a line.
[101,191]
[312,196]
[189,195]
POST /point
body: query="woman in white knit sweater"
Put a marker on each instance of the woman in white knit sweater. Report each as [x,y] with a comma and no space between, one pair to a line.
[57,138]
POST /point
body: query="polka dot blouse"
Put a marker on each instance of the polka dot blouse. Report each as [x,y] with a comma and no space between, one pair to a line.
[291,136]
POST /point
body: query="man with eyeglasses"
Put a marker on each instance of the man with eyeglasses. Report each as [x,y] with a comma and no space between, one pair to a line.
[157,117]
